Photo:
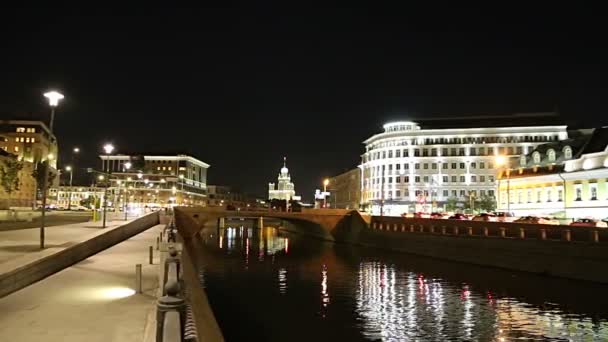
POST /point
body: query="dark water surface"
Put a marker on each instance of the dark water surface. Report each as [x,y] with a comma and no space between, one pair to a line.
[271,285]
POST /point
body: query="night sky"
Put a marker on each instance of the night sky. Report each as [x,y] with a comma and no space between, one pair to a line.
[241,88]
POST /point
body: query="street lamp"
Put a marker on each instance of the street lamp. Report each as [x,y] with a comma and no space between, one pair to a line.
[127,167]
[76,150]
[108,148]
[502,161]
[325,184]
[71,171]
[53,97]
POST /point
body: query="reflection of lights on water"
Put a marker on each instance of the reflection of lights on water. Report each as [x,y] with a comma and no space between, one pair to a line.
[282,281]
[467,320]
[286,245]
[221,241]
[324,292]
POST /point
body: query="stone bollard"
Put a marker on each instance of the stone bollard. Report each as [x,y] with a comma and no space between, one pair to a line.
[456,231]
[411,228]
[381,226]
[168,303]
[543,234]
[567,236]
[395,227]
[443,230]
[486,231]
[151,255]
[138,287]
[421,228]
[595,236]
[432,229]
[469,230]
[522,233]
[503,232]
[403,227]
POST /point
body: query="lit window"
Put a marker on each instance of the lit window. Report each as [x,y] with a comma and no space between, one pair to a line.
[536,157]
[33,140]
[20,129]
[27,140]
[31,130]
[181,168]
[158,168]
[169,168]
[567,152]
[16,148]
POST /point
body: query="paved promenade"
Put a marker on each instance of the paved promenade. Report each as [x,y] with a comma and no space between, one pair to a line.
[19,242]
[93,300]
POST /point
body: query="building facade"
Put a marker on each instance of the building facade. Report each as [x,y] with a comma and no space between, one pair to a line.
[224,196]
[62,196]
[407,168]
[565,179]
[345,190]
[157,180]
[30,141]
[284,189]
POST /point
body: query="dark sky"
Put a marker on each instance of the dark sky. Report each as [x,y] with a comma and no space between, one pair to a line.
[241,88]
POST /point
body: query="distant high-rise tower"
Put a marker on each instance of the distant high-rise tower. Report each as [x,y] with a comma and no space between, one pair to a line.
[285,189]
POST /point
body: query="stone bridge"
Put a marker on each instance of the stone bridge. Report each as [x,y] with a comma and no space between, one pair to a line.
[330,224]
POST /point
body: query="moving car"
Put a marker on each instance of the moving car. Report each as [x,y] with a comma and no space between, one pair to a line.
[536,220]
[585,222]
[459,216]
[485,217]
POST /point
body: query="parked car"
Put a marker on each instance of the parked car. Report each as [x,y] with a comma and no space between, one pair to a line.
[437,216]
[502,216]
[79,208]
[589,223]
[485,217]
[536,220]
[459,216]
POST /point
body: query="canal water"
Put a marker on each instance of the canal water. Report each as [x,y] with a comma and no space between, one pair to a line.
[271,285]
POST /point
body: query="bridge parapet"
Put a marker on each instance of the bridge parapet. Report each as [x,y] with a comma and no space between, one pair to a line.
[190,220]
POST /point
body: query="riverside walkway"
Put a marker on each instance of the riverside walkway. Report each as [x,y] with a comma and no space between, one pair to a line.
[93,300]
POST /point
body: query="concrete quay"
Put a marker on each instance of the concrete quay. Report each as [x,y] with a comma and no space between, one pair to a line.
[92,300]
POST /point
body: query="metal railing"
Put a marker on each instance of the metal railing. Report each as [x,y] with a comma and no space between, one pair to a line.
[173,318]
[504,230]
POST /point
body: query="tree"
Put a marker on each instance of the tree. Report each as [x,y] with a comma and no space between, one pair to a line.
[487,203]
[9,176]
[38,175]
[451,203]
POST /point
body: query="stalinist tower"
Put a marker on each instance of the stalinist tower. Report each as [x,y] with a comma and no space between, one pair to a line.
[285,189]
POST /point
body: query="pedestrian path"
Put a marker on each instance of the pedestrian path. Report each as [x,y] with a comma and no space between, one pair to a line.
[93,300]
[17,243]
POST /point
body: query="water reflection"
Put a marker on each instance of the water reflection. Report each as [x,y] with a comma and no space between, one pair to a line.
[339,293]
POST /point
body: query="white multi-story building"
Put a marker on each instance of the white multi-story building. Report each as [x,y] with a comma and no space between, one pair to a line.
[408,168]
[285,189]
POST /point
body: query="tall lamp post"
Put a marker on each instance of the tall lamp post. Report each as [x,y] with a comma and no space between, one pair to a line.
[108,148]
[54,98]
[325,184]
[71,171]
[127,167]
[502,161]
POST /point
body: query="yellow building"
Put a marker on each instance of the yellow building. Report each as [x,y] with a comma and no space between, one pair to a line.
[567,179]
[29,140]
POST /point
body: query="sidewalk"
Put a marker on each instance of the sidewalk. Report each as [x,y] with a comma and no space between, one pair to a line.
[93,300]
[16,243]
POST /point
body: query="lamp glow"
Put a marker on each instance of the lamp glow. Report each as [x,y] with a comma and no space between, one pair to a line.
[76,150]
[127,165]
[108,148]
[68,168]
[53,97]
